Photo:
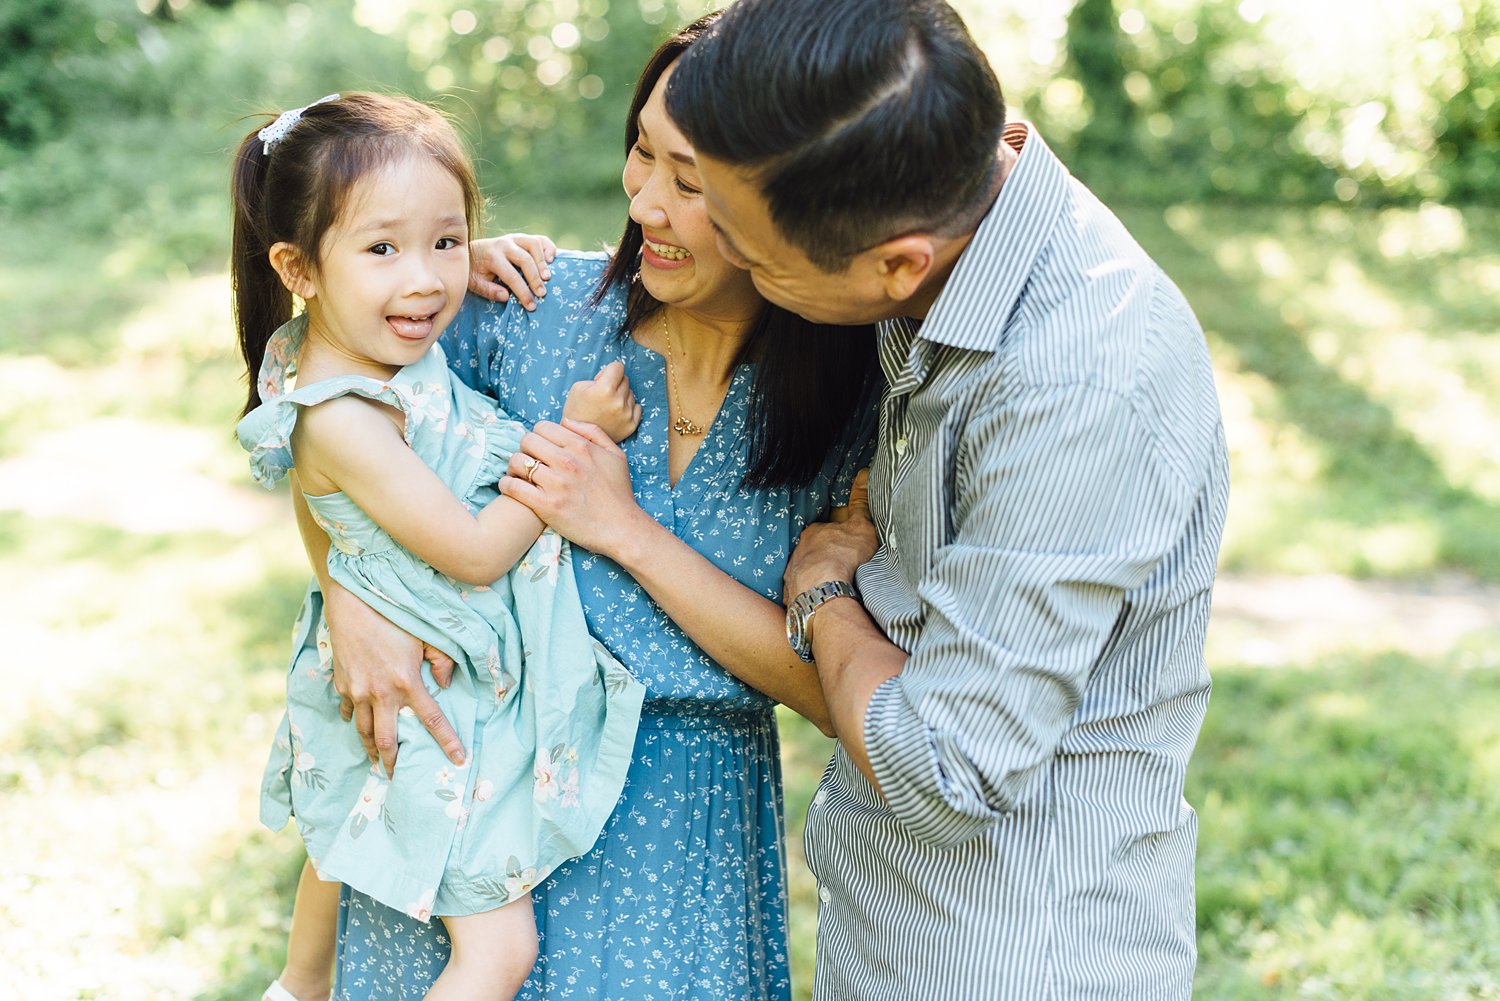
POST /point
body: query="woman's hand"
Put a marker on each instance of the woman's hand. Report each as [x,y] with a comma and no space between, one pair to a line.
[580,486]
[605,401]
[514,264]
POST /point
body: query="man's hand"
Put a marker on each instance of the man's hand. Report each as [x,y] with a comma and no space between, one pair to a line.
[377,670]
[834,549]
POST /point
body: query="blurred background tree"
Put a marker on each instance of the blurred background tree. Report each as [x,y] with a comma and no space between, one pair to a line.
[1155,101]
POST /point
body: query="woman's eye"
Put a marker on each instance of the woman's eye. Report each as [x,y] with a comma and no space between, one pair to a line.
[449,243]
[687,189]
[382,249]
[643,152]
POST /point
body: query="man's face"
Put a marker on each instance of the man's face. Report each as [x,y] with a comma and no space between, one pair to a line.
[781,271]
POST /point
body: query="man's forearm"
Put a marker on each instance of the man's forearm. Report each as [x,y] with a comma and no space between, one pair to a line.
[854,658]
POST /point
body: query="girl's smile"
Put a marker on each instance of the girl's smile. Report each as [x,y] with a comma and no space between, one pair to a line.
[392,270]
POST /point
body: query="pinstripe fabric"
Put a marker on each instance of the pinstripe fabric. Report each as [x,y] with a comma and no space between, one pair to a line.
[1050,489]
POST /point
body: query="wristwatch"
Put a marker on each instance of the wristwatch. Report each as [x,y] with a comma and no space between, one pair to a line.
[800,612]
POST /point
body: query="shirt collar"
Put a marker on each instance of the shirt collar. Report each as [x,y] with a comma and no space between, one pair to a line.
[987,280]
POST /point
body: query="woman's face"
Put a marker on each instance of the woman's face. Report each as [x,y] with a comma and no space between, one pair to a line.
[680,263]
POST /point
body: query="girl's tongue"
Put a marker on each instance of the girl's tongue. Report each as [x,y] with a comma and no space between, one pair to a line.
[412,329]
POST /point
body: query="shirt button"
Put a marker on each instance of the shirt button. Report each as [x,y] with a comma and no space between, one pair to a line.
[900,446]
[823,894]
[819,798]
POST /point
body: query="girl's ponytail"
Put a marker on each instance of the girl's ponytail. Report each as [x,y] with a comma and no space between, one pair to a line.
[261,302]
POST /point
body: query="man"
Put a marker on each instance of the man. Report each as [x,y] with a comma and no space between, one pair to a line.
[1016,677]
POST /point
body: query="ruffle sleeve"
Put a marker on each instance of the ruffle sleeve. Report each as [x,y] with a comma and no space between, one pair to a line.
[266,432]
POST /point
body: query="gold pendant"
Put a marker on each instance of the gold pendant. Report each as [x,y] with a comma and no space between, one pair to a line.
[685,427]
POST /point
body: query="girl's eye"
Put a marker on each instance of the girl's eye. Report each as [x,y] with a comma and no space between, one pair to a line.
[643,152]
[382,249]
[449,243]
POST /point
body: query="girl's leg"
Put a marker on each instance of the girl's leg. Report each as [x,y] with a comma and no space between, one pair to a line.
[308,974]
[493,954]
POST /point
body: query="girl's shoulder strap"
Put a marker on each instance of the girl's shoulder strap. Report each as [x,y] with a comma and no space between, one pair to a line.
[420,391]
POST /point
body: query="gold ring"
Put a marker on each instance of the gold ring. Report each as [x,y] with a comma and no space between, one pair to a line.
[531,465]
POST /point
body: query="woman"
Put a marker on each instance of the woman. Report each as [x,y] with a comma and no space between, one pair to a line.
[754,424]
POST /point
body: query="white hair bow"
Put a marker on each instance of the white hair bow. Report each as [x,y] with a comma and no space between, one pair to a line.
[277,130]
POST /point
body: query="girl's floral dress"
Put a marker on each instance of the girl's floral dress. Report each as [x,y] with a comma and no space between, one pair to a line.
[547,715]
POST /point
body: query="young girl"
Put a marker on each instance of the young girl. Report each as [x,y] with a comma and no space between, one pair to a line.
[362,206]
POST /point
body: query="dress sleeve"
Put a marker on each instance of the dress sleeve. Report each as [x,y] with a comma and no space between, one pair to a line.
[488,343]
[1062,504]
[266,433]
[475,340]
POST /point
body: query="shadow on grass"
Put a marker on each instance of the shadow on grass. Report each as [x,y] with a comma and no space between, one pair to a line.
[1374,472]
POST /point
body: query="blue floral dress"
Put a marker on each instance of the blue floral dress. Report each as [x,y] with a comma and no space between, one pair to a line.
[549,717]
[684,895]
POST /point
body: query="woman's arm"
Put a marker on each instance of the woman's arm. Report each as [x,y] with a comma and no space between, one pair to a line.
[351,445]
[583,491]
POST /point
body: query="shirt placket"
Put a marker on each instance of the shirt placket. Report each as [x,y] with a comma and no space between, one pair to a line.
[903,362]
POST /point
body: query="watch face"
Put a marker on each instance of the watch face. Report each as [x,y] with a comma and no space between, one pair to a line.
[794,625]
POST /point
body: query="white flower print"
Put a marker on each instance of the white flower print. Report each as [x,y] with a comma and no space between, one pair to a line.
[542,559]
[544,772]
[369,806]
[429,403]
[520,881]
[422,908]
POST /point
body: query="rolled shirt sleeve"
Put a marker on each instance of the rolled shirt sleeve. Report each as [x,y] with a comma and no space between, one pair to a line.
[1062,504]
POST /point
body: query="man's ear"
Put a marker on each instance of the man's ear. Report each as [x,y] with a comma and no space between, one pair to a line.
[903,263]
[292,267]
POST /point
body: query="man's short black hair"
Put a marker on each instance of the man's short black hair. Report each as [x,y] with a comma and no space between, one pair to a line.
[861,119]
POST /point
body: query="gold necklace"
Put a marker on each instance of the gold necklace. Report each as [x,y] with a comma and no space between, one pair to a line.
[683,425]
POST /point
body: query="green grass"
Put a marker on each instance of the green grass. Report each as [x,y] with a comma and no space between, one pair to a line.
[1350,838]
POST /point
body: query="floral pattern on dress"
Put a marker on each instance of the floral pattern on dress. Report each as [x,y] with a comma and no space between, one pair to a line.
[420,835]
[683,897]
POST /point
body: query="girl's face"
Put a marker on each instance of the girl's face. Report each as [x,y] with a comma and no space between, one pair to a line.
[680,264]
[393,268]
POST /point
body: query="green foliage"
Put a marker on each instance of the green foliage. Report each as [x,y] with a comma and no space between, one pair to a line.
[547,85]
[55,56]
[1468,126]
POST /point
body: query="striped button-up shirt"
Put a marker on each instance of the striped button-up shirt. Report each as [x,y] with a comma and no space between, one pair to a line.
[1049,489]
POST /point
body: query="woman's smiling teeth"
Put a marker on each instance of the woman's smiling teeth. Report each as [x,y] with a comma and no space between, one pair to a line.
[668,251]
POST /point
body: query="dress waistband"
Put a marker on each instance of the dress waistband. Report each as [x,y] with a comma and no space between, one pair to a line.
[674,714]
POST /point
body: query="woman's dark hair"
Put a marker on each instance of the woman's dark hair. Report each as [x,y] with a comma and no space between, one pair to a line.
[293,194]
[813,381]
[861,119]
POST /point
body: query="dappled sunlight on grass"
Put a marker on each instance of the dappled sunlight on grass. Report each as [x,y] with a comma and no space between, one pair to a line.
[1362,391]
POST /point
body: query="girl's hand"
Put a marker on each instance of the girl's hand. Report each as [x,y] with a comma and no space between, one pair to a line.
[513,264]
[580,487]
[605,401]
